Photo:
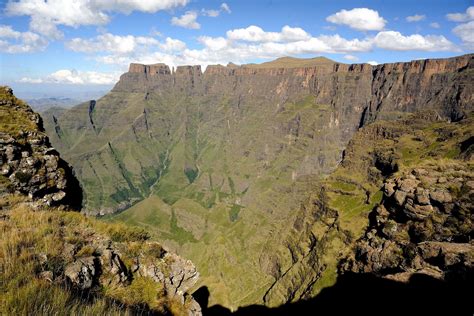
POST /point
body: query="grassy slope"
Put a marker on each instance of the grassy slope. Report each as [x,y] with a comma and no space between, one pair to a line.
[417,142]
[291,62]
[28,235]
[243,192]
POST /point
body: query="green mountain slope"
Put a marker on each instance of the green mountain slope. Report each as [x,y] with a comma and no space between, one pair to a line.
[218,164]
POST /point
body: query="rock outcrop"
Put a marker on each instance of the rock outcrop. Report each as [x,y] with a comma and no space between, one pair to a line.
[235,151]
[100,261]
[32,166]
[424,225]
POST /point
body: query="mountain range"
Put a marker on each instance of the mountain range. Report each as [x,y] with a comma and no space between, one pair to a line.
[285,183]
[221,164]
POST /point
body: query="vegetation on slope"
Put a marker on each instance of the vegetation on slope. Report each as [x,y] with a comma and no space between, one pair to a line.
[54,261]
[38,246]
[388,149]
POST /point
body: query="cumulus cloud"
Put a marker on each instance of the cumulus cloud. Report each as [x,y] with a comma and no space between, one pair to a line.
[111,43]
[415,18]
[256,34]
[372,62]
[173,45]
[46,15]
[462,17]
[187,20]
[13,42]
[215,13]
[351,57]
[361,19]
[396,41]
[465,32]
[244,45]
[66,76]
[435,25]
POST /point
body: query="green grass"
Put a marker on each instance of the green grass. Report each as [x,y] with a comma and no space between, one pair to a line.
[15,116]
[28,234]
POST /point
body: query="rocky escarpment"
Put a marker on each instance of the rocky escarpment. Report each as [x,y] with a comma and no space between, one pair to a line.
[235,151]
[444,85]
[424,225]
[28,160]
[54,261]
[412,180]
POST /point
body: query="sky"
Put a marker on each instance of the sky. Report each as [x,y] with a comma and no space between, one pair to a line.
[53,46]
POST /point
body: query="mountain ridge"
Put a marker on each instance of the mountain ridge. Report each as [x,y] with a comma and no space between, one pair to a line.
[236,151]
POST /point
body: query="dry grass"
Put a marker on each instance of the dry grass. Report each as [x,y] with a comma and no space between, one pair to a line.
[29,237]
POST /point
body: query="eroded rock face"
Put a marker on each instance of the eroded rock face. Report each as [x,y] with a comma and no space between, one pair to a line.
[29,162]
[424,225]
[105,266]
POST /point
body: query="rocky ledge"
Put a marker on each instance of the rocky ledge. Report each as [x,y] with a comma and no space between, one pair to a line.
[66,250]
[115,266]
[28,161]
[424,225]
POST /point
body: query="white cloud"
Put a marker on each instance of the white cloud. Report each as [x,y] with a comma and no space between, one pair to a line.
[244,45]
[215,13]
[435,25]
[8,32]
[110,43]
[13,42]
[392,40]
[173,45]
[46,15]
[187,20]
[351,57]
[462,17]
[66,76]
[225,7]
[213,43]
[210,13]
[372,62]
[256,34]
[415,18]
[465,32]
[361,19]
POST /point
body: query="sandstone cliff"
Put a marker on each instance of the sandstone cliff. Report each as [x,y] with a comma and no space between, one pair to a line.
[235,151]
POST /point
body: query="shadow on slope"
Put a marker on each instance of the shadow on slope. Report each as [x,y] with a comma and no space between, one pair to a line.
[367,294]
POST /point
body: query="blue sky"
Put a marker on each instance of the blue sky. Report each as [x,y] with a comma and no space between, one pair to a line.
[58,45]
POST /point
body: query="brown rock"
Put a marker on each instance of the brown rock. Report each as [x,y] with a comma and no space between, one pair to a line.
[400,197]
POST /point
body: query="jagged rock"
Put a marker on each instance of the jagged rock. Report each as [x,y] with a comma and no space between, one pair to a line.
[408,185]
[31,164]
[417,212]
[82,273]
[422,197]
[47,275]
[389,188]
[440,196]
[426,240]
[400,197]
[115,266]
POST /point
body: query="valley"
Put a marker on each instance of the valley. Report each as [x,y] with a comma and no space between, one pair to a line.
[245,170]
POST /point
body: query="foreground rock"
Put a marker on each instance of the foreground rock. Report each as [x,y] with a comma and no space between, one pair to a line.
[424,225]
[63,257]
[29,162]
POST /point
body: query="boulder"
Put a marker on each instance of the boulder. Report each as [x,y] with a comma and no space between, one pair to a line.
[82,273]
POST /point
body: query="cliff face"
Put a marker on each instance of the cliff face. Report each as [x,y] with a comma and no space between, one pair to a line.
[235,151]
[441,84]
[28,160]
[53,259]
